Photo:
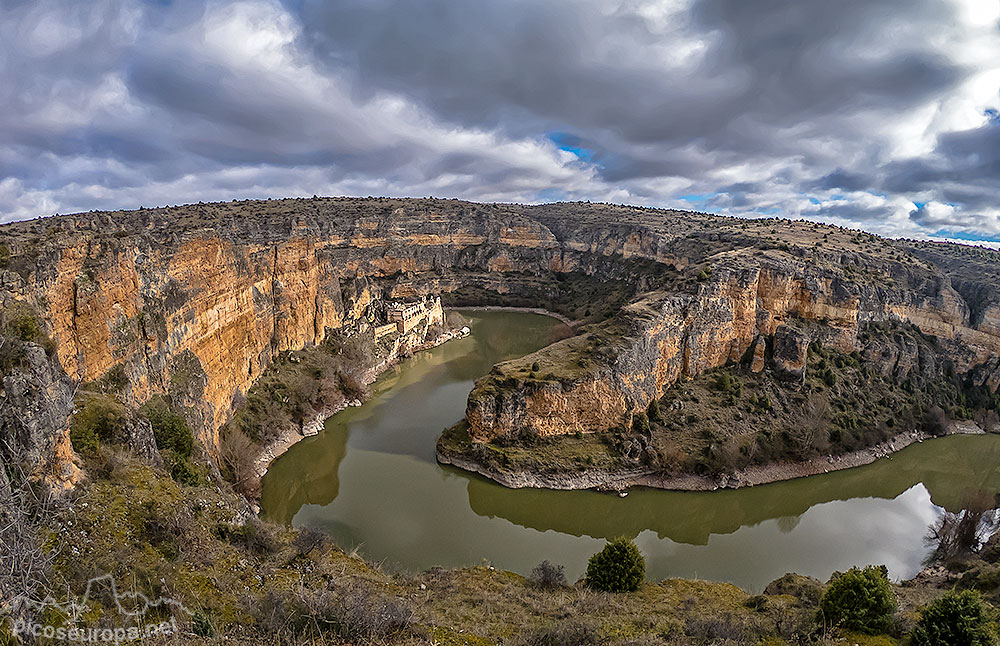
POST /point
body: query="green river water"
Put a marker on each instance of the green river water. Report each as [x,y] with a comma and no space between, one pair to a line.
[370,480]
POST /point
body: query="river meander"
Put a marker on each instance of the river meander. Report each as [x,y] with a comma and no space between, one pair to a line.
[371,481]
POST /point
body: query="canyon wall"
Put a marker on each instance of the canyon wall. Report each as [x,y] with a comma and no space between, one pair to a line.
[197,301]
[745,305]
[199,312]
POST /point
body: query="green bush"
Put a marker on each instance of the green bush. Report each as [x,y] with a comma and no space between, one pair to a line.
[21,324]
[182,472]
[535,367]
[653,411]
[619,567]
[640,423]
[859,599]
[169,428]
[201,625]
[84,440]
[99,420]
[956,619]
[25,327]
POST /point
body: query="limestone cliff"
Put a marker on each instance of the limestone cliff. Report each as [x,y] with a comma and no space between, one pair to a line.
[197,301]
[665,336]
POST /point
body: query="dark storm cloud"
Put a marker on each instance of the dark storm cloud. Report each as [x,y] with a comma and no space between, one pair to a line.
[844,180]
[525,64]
[846,111]
[964,168]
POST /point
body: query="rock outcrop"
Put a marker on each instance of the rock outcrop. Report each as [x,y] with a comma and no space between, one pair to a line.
[669,337]
[34,423]
[196,302]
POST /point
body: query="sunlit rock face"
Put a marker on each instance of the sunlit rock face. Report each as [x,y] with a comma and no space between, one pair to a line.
[197,301]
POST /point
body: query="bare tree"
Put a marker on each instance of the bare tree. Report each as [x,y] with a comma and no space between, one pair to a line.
[810,435]
[957,534]
[25,562]
[237,453]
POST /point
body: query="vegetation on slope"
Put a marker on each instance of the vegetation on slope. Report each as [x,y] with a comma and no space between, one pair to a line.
[730,419]
[255,583]
[299,386]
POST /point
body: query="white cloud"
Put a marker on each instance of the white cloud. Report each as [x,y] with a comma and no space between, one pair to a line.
[846,114]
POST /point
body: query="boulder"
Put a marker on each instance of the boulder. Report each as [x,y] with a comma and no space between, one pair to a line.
[791,347]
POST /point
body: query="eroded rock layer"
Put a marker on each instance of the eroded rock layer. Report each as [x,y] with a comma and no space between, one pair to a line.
[197,301]
[749,301]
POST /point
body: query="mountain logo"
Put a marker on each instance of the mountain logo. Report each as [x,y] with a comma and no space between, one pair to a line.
[132,607]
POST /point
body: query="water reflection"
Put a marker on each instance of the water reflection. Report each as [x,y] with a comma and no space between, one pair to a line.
[370,480]
[945,467]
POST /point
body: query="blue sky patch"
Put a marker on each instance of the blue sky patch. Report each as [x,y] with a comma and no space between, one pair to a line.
[573,144]
[966,235]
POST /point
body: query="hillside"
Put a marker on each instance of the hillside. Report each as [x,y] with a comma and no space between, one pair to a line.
[152,362]
[196,303]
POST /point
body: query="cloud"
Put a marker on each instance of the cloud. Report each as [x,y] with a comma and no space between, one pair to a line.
[845,112]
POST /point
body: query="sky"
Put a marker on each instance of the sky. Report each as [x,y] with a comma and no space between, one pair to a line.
[882,115]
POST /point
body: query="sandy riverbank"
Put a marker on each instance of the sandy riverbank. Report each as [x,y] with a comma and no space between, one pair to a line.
[757,475]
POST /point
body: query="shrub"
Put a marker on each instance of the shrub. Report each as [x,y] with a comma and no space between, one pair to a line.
[201,625]
[640,423]
[99,420]
[956,619]
[355,614]
[859,599]
[21,324]
[182,472]
[567,633]
[935,421]
[25,327]
[169,429]
[352,386]
[715,629]
[619,567]
[365,615]
[653,411]
[308,539]
[252,536]
[535,367]
[549,576]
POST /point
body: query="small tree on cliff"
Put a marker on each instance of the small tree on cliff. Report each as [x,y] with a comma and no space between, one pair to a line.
[859,599]
[619,567]
[640,423]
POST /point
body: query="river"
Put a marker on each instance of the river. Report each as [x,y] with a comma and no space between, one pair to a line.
[370,480]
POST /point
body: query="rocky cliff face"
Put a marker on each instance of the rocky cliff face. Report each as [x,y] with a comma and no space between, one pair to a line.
[34,424]
[195,302]
[745,305]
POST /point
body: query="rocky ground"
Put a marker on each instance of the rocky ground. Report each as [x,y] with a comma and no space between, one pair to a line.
[243,581]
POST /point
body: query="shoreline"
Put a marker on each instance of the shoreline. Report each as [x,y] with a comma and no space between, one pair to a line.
[512,308]
[290,436]
[604,480]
